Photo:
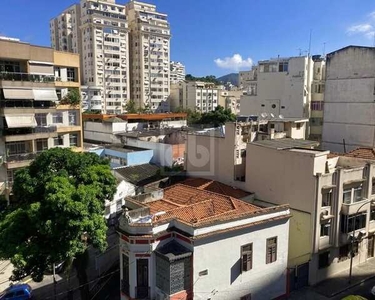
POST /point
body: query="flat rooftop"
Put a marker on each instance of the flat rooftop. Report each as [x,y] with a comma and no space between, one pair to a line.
[286,143]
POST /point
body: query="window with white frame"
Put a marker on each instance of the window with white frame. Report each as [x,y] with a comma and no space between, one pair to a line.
[72,118]
[57,118]
[326,197]
[325,229]
[353,193]
[73,140]
[58,141]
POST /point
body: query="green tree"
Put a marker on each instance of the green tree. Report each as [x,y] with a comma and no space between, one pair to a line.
[73,97]
[218,117]
[130,107]
[193,117]
[60,203]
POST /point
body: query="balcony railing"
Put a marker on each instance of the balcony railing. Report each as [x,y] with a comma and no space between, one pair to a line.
[26,77]
[23,131]
[142,292]
[21,157]
[125,287]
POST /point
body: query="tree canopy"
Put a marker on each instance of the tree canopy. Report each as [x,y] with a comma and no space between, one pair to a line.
[73,97]
[59,200]
[209,78]
[216,118]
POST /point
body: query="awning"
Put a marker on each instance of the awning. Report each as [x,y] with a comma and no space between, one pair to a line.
[18,94]
[45,95]
[21,121]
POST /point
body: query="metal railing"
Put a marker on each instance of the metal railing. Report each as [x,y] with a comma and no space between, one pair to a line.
[23,131]
[26,77]
[21,157]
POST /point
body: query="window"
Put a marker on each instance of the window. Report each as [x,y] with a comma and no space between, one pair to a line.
[352,222]
[72,118]
[57,118]
[71,74]
[353,194]
[298,126]
[17,148]
[347,196]
[41,119]
[246,257]
[357,194]
[125,273]
[73,139]
[372,215]
[325,229]
[324,260]
[58,141]
[326,198]
[373,187]
[319,88]
[271,250]
[344,252]
[41,145]
[283,66]
[317,105]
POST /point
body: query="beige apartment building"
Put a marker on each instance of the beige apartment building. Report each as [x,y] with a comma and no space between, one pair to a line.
[31,118]
[98,31]
[149,56]
[178,72]
[195,95]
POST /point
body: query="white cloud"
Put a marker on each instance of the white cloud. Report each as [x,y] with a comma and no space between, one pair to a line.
[372,15]
[361,28]
[236,62]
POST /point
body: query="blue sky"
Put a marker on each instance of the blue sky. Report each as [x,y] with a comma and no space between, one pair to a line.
[207,30]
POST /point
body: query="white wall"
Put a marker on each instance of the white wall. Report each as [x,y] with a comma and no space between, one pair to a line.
[349,109]
[221,257]
[123,190]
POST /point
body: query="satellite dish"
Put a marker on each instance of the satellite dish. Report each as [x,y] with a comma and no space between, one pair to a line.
[281,116]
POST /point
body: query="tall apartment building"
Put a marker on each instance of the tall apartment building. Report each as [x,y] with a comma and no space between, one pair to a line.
[195,95]
[247,79]
[33,80]
[177,72]
[150,56]
[98,31]
[349,110]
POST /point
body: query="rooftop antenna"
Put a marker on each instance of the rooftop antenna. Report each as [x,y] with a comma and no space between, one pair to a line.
[310,43]
[300,51]
[324,49]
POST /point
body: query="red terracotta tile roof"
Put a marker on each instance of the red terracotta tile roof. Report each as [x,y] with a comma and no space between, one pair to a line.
[364,153]
[215,186]
[193,205]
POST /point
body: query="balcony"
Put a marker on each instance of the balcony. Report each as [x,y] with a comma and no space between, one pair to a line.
[142,292]
[352,208]
[26,77]
[15,161]
[22,134]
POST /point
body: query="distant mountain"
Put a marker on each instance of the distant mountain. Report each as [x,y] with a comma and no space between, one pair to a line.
[232,78]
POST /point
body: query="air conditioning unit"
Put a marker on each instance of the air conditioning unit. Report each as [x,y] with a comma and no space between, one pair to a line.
[325,214]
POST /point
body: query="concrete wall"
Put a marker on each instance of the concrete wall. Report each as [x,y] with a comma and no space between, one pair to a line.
[349,109]
[123,190]
[280,92]
[287,181]
[163,153]
[221,256]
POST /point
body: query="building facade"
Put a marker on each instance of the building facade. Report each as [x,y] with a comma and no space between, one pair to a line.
[349,120]
[169,247]
[317,98]
[33,81]
[280,86]
[177,72]
[194,95]
[150,56]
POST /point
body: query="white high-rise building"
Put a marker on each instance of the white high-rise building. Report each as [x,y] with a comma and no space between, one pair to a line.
[177,72]
[150,56]
[98,31]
